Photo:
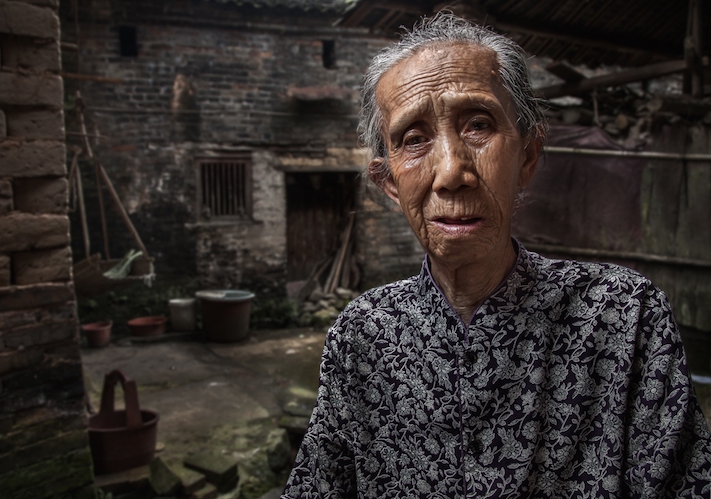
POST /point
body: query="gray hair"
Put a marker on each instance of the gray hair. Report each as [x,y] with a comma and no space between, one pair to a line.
[446,28]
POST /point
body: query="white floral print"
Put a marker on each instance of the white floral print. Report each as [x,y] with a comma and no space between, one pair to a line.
[569,381]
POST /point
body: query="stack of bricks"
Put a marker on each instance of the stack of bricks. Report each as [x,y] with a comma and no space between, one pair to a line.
[44,448]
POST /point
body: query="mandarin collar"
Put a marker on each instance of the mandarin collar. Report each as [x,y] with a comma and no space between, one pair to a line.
[510,294]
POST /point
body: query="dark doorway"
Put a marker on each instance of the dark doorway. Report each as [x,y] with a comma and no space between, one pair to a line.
[317,205]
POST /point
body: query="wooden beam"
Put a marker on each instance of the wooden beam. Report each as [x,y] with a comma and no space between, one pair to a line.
[565,72]
[694,78]
[365,7]
[502,25]
[613,79]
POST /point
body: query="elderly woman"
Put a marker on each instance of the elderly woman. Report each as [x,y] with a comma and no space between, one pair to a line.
[495,372]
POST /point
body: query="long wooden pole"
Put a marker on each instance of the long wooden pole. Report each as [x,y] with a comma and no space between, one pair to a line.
[82,213]
[121,209]
[336,272]
[102,175]
[87,147]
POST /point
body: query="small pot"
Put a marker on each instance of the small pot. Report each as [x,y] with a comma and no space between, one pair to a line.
[182,314]
[148,326]
[98,334]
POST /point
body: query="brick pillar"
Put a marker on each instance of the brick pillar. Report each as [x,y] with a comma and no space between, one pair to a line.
[44,448]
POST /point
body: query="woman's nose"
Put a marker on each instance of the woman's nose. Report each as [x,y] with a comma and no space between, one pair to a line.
[454,165]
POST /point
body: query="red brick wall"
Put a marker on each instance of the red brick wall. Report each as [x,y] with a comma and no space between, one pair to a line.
[43,437]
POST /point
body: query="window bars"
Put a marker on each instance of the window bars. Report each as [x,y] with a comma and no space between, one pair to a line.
[224,187]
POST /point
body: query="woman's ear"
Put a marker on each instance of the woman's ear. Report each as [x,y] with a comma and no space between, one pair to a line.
[532,151]
[380,175]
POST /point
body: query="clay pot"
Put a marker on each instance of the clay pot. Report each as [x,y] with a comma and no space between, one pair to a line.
[98,334]
[148,326]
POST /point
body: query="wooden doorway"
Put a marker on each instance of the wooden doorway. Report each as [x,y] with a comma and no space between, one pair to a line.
[317,205]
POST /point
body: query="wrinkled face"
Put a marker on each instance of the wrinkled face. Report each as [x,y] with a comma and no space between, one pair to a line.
[457,159]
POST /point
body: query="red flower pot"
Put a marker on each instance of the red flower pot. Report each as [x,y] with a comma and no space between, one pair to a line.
[148,326]
[98,334]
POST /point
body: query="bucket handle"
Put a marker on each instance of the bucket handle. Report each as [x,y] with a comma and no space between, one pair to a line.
[133,413]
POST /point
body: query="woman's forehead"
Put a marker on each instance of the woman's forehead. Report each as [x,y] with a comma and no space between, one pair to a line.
[444,70]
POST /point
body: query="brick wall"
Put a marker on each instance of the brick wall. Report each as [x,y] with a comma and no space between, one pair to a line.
[212,78]
[44,444]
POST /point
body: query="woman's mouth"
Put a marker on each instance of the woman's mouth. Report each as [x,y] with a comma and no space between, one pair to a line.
[457,225]
[457,221]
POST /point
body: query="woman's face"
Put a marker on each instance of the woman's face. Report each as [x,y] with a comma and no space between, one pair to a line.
[457,159]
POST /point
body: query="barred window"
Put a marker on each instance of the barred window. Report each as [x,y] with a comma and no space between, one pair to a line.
[224,187]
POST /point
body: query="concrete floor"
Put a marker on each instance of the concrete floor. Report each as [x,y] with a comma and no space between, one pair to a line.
[212,397]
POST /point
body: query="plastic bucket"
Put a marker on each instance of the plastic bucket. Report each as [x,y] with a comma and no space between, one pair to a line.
[225,314]
[182,314]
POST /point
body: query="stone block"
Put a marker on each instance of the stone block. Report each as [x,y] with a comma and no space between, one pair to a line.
[191,480]
[134,480]
[278,449]
[41,195]
[40,334]
[218,470]
[41,424]
[41,448]
[31,90]
[22,18]
[163,479]
[34,316]
[5,275]
[46,124]
[35,295]
[13,360]
[209,491]
[49,478]
[32,159]
[6,204]
[42,266]
[21,52]
[26,232]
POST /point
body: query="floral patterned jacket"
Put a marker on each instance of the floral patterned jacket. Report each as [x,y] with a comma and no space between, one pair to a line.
[569,381]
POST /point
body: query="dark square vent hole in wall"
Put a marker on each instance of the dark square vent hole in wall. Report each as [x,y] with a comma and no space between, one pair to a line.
[329,54]
[224,187]
[128,43]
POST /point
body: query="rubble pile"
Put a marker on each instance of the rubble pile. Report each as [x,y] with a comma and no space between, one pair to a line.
[321,309]
[629,114]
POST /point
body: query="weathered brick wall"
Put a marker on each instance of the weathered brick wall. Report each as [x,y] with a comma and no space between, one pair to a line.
[213,77]
[43,435]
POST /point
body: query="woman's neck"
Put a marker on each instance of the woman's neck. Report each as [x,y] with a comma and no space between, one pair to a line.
[467,286]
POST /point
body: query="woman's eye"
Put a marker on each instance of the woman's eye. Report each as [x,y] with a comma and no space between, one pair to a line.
[478,125]
[414,140]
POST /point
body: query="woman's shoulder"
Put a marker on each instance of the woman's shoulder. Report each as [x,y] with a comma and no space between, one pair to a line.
[581,273]
[385,296]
